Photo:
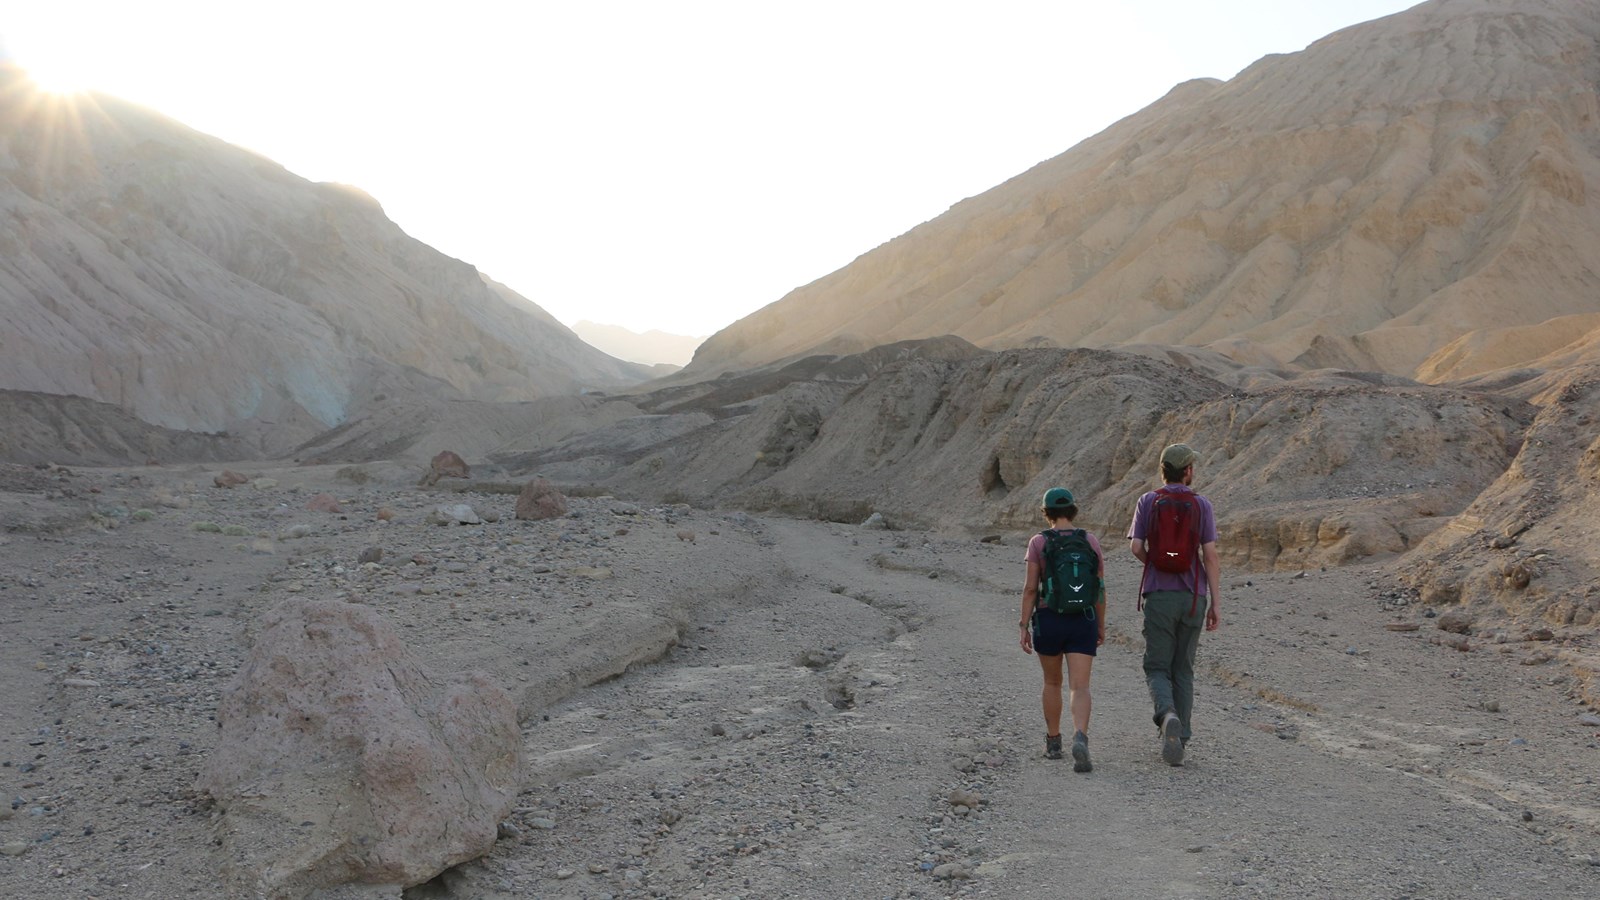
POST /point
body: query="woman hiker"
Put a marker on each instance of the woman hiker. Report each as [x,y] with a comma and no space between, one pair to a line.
[1064,615]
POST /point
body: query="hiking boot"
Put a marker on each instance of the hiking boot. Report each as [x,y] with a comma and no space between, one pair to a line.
[1080,753]
[1052,746]
[1172,740]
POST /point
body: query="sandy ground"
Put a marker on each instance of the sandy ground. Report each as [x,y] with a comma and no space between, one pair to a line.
[721,705]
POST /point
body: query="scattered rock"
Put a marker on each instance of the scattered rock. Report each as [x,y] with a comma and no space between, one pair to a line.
[14,848]
[1455,621]
[229,478]
[324,503]
[540,500]
[969,799]
[1589,719]
[339,760]
[1402,626]
[951,872]
[454,514]
[385,514]
[264,484]
[875,522]
[371,555]
[685,534]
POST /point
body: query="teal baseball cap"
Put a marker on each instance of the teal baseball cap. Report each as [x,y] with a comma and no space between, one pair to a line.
[1057,498]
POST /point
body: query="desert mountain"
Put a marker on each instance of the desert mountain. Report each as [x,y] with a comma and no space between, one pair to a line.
[201,287]
[1410,195]
[653,347]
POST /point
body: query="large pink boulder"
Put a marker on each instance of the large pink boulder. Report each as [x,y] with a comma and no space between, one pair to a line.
[229,478]
[540,500]
[340,760]
[449,465]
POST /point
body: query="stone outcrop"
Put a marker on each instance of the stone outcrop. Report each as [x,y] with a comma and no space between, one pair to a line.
[342,761]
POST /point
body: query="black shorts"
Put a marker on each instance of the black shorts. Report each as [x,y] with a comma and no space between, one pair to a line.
[1056,633]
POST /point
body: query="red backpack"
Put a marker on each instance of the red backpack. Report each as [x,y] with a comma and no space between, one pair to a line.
[1172,539]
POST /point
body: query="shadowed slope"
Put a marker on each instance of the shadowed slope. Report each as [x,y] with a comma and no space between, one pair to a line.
[202,287]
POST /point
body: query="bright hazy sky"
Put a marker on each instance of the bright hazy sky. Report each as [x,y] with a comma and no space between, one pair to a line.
[671,165]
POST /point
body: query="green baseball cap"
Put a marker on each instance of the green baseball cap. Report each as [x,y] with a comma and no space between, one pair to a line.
[1057,498]
[1178,456]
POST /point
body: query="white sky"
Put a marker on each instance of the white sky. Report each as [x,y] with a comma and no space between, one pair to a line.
[671,165]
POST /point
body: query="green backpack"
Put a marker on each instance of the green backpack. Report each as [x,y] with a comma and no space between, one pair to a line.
[1069,580]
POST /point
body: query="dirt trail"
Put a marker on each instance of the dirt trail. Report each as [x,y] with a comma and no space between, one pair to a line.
[721,705]
[771,791]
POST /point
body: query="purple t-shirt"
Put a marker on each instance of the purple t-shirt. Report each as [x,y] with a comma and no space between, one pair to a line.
[1156,579]
[1035,553]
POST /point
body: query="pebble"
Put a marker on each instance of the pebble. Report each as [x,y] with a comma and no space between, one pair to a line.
[542,824]
[15,848]
[1589,719]
[371,555]
[951,872]
[564,874]
[598,868]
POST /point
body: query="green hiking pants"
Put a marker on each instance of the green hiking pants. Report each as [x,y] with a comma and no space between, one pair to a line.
[1171,637]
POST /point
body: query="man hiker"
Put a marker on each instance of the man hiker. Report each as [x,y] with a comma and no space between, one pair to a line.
[1174,533]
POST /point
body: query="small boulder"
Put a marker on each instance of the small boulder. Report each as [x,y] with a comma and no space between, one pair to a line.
[229,478]
[371,555]
[341,761]
[454,514]
[385,513]
[324,503]
[540,500]
[876,522]
[1455,621]
[447,464]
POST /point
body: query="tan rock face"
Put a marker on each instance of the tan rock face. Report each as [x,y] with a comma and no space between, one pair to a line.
[1334,470]
[1527,543]
[1410,195]
[341,760]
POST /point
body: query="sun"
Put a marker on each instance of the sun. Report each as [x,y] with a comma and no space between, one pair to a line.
[63,79]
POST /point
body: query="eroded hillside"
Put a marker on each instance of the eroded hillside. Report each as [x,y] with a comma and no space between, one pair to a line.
[1412,195]
[201,287]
